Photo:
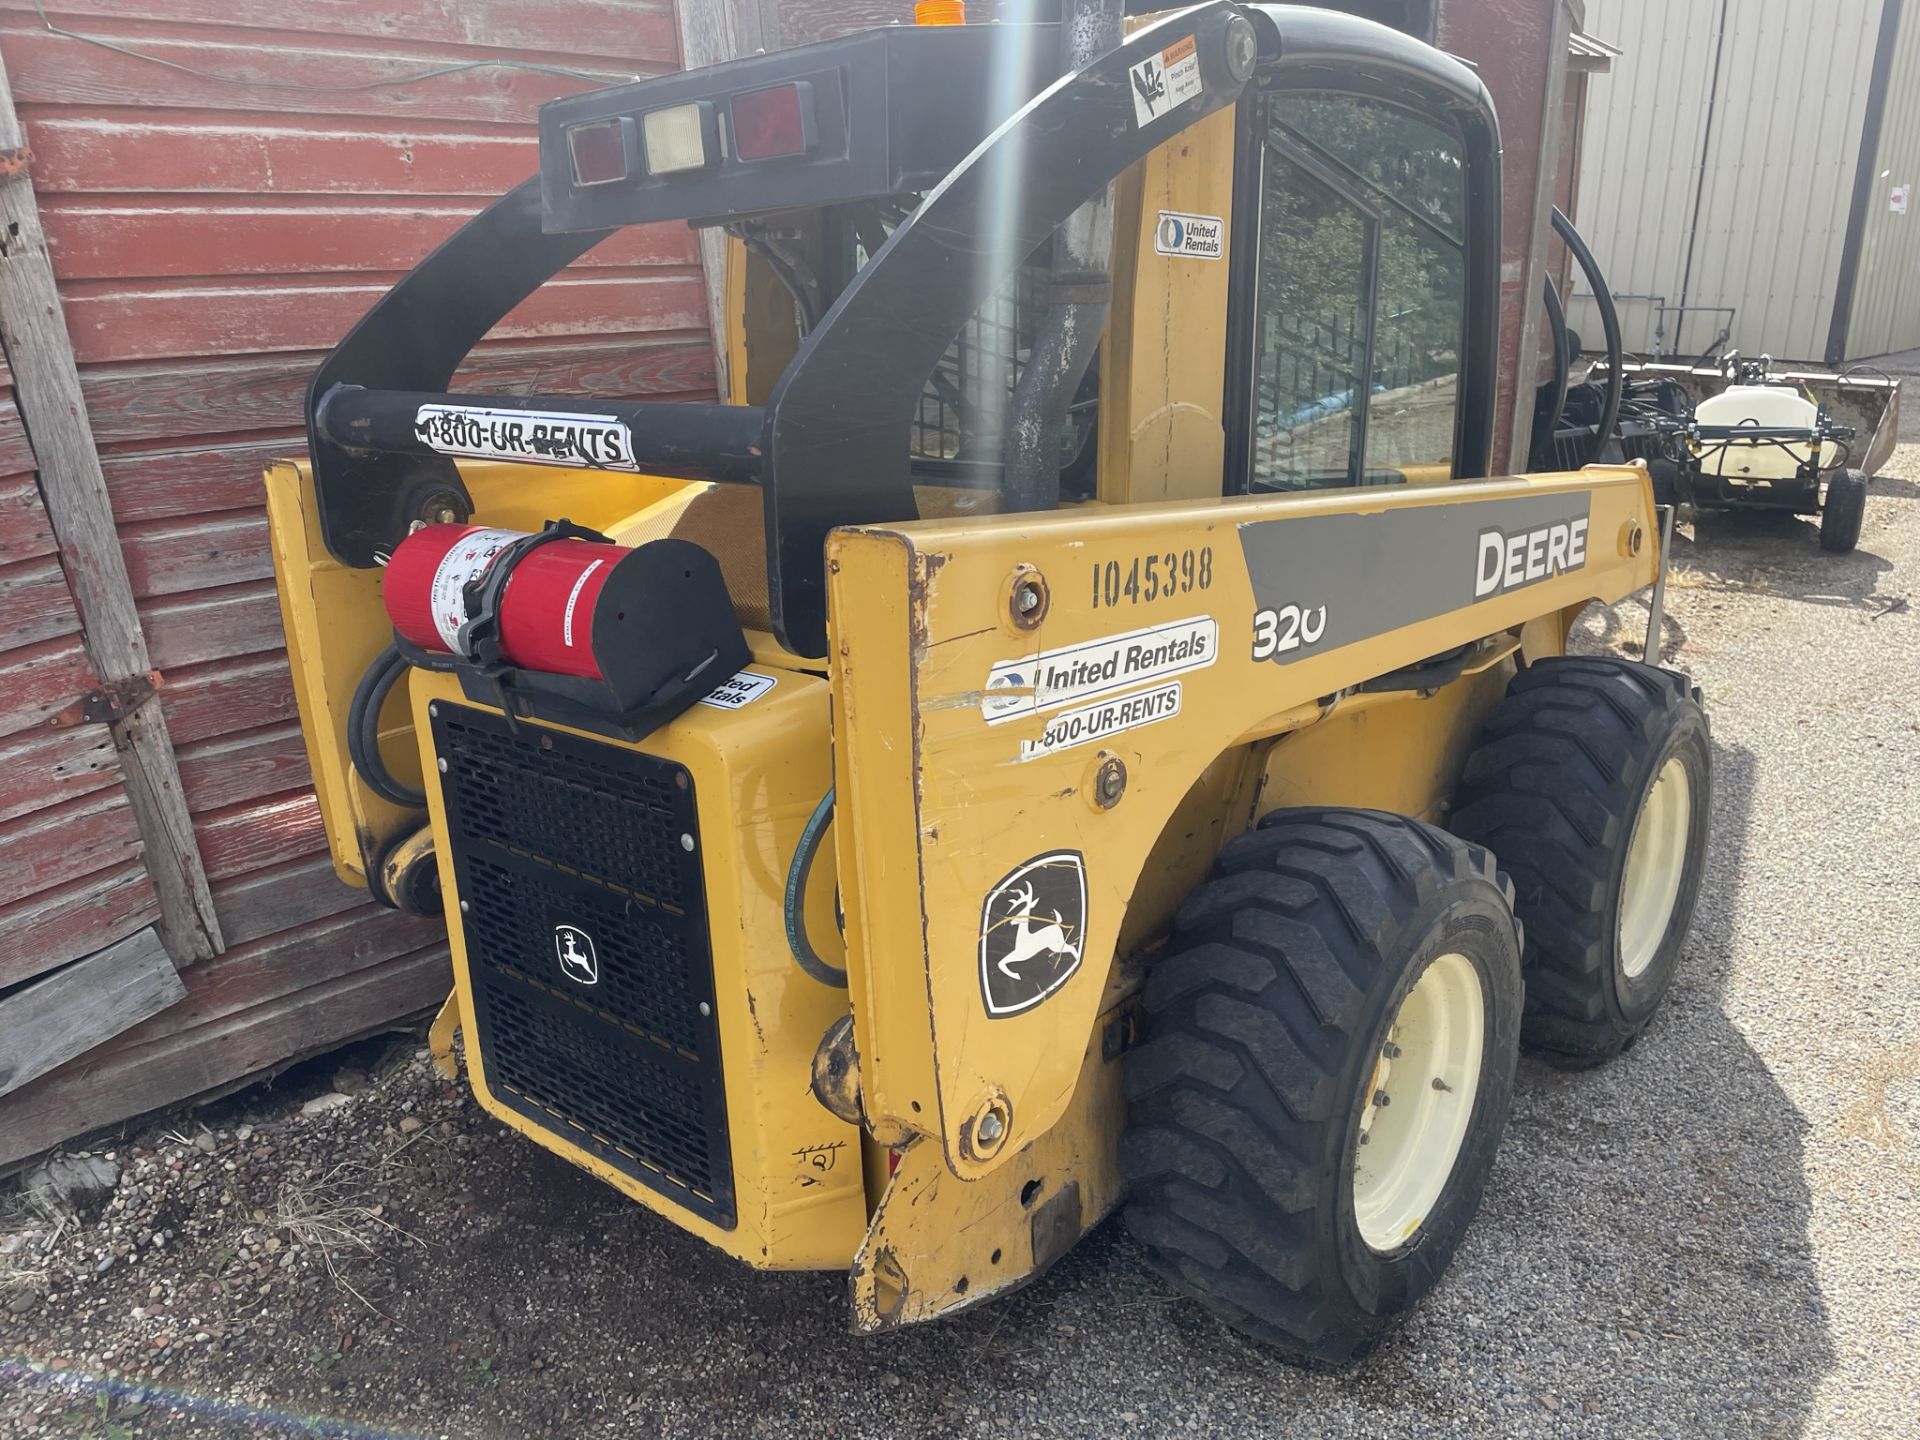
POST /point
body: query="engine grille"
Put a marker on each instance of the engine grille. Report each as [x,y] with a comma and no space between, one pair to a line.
[584,918]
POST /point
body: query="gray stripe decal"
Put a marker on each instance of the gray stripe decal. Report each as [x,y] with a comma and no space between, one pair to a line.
[1324,581]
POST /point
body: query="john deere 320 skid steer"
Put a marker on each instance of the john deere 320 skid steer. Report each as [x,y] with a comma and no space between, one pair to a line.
[1078,730]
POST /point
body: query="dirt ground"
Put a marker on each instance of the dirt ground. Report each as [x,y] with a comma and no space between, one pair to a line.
[1706,1238]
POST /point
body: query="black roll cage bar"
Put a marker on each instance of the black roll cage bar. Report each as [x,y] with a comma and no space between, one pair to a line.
[829,447]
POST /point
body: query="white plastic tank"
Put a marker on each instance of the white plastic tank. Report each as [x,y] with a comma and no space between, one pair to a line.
[1769,406]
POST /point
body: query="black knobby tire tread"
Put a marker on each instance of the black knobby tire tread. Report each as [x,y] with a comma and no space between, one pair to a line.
[1248,1020]
[1844,512]
[1543,791]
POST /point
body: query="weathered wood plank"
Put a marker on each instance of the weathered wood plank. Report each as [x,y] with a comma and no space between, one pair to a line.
[54,926]
[120,322]
[146,151]
[190,236]
[249,976]
[43,768]
[16,454]
[607,29]
[239,768]
[47,389]
[54,846]
[228,695]
[37,681]
[185,401]
[270,902]
[86,1004]
[805,21]
[35,603]
[193,629]
[266,833]
[200,554]
[123,1080]
[238,74]
[172,484]
[25,531]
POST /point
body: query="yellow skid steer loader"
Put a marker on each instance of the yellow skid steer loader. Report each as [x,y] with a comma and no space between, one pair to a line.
[1078,729]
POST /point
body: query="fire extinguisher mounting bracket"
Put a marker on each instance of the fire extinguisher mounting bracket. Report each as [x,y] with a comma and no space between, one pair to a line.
[479,636]
[663,634]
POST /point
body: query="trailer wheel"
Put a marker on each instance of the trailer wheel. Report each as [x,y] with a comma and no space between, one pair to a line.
[1844,510]
[1592,781]
[1325,1070]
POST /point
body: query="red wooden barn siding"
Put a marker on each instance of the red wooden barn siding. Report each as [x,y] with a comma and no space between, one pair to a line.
[213,233]
[72,879]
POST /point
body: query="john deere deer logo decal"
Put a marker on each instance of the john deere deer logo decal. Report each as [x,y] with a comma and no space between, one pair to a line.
[1032,932]
[573,947]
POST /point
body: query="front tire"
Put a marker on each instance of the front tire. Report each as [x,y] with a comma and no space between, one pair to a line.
[1844,511]
[1336,957]
[1592,781]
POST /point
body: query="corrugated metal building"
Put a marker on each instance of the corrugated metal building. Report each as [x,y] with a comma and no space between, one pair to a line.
[1742,172]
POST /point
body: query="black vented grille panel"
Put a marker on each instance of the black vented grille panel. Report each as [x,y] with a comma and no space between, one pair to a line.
[584,919]
[594,814]
[644,983]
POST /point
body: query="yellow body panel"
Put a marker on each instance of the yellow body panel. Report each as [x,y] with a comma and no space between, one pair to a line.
[758,772]
[938,804]
[336,624]
[1164,366]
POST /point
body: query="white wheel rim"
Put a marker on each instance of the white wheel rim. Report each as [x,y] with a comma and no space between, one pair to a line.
[1656,860]
[1419,1102]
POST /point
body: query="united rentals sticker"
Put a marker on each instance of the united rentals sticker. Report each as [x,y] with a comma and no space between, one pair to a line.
[1032,930]
[1097,667]
[737,690]
[1104,719]
[1162,81]
[1190,237]
[534,437]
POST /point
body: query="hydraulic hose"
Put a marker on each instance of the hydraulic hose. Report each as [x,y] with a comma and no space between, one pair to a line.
[1610,323]
[363,730]
[804,955]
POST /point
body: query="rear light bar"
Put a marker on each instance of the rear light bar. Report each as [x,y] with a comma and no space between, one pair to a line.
[774,123]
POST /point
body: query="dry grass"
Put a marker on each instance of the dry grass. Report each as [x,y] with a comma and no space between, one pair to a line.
[30,1228]
[339,1216]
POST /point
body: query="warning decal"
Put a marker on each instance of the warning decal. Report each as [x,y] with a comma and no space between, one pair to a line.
[1160,82]
[466,562]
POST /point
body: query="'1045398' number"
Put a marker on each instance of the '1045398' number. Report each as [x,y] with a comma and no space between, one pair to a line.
[1277,631]
[1146,578]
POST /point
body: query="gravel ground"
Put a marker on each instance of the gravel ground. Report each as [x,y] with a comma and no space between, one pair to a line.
[1707,1238]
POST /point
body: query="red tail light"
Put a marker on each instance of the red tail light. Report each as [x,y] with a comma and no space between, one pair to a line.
[599,151]
[774,123]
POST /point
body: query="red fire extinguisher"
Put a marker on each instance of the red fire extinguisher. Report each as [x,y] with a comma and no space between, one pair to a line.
[545,609]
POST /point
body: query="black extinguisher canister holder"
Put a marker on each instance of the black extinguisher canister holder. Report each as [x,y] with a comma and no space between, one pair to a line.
[664,634]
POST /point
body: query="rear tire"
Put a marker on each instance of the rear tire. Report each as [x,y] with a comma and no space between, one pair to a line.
[1324,937]
[1844,511]
[1592,781]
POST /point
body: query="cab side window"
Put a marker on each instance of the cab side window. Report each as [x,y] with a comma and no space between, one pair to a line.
[1359,294]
